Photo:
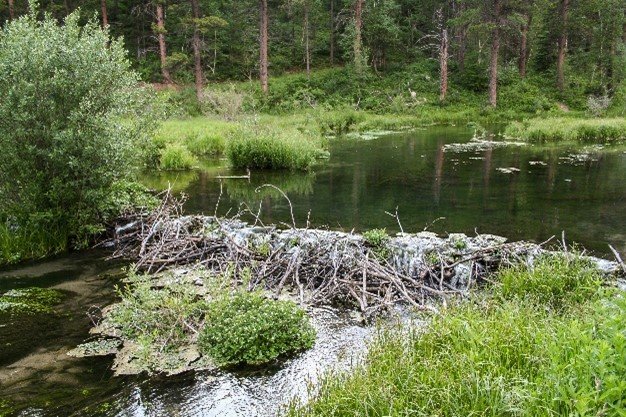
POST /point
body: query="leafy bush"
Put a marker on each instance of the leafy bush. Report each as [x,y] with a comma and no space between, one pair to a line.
[555,281]
[247,328]
[267,148]
[71,123]
[176,157]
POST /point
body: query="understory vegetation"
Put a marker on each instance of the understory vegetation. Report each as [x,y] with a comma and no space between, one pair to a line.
[226,324]
[544,341]
[74,124]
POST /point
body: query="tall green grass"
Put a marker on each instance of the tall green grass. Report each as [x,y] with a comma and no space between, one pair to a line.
[267,148]
[501,355]
[30,241]
[568,130]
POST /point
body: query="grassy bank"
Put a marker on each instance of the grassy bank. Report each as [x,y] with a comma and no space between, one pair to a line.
[544,342]
[569,130]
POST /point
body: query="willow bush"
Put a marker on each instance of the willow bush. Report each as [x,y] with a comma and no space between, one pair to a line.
[72,124]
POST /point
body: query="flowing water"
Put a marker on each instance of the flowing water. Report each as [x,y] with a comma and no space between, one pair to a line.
[519,192]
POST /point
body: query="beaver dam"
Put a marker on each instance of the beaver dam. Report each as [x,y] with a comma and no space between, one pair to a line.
[183,262]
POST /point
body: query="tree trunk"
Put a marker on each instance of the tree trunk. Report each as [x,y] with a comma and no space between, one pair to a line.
[332,32]
[307,49]
[105,16]
[523,50]
[560,63]
[66,4]
[443,65]
[263,35]
[197,46]
[167,78]
[495,51]
[11,10]
[358,41]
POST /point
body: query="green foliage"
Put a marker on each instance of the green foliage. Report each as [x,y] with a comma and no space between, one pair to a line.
[157,320]
[378,239]
[568,130]
[248,328]
[338,121]
[270,148]
[31,300]
[493,357]
[71,125]
[554,281]
[176,157]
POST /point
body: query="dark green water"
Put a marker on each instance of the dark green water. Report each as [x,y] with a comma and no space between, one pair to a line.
[412,172]
[552,192]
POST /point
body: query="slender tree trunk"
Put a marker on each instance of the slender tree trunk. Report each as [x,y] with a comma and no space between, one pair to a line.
[197,46]
[332,32]
[523,50]
[358,41]
[167,78]
[105,16]
[443,65]
[560,63]
[66,4]
[11,10]
[495,51]
[263,35]
[307,48]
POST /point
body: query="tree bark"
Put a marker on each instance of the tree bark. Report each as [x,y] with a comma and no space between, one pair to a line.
[560,63]
[495,51]
[263,40]
[332,32]
[443,65]
[11,10]
[197,45]
[358,41]
[523,50]
[167,78]
[105,16]
[307,49]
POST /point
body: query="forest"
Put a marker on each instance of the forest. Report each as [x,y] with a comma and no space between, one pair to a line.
[312,208]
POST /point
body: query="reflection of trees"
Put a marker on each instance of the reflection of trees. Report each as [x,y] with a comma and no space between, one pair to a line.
[292,184]
[160,180]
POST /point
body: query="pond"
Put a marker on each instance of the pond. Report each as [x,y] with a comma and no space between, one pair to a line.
[520,192]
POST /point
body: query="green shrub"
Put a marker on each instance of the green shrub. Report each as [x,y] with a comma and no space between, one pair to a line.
[554,281]
[176,157]
[267,148]
[73,124]
[206,144]
[247,328]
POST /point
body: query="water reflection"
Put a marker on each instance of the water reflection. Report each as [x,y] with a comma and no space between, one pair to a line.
[364,179]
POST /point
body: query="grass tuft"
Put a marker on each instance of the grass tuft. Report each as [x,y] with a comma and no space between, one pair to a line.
[176,158]
[268,148]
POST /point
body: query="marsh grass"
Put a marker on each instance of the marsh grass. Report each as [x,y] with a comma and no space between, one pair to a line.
[503,354]
[269,148]
[569,130]
[30,241]
[176,157]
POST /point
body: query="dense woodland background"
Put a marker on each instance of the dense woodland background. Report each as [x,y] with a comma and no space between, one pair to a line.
[576,47]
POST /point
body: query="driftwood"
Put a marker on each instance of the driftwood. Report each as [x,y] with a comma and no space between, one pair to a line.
[319,266]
